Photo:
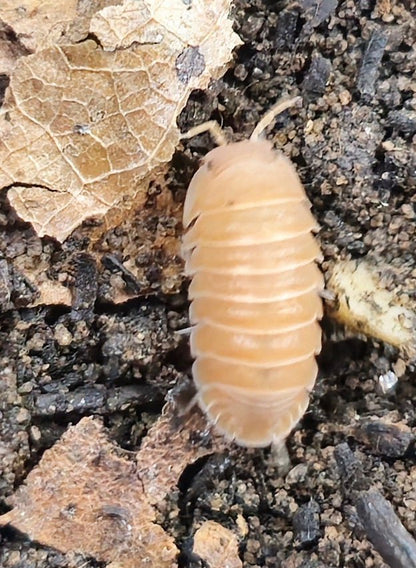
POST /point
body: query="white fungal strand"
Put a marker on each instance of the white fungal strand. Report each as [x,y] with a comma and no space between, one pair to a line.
[255,292]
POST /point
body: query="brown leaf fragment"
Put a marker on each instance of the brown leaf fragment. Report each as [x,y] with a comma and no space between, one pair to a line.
[121,26]
[85,496]
[82,174]
[217,546]
[78,30]
[175,441]
[194,23]
[44,208]
[28,26]
[83,131]
[199,31]
[38,23]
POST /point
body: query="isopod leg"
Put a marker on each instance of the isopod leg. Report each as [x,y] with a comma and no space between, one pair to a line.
[279,457]
[327,295]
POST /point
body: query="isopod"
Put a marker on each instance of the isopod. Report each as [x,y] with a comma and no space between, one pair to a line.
[255,290]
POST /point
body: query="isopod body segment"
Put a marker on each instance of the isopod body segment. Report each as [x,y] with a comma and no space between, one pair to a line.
[255,291]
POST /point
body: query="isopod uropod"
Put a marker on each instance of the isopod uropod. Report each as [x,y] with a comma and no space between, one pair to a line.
[255,290]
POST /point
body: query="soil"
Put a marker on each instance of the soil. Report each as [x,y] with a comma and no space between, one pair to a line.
[353,142]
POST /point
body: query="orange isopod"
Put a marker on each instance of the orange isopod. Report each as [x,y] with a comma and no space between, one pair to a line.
[255,291]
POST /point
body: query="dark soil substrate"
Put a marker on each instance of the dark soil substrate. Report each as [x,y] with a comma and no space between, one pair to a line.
[354,64]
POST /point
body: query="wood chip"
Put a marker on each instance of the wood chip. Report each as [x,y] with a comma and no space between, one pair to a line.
[367,306]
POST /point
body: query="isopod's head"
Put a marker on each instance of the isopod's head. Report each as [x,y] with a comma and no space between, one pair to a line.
[241,175]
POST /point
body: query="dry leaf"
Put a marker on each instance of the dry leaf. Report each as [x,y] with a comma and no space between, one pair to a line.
[171,444]
[83,130]
[38,23]
[217,546]
[86,496]
[177,23]
[86,132]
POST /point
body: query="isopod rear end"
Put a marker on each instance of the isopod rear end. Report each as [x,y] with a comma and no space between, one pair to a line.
[255,292]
